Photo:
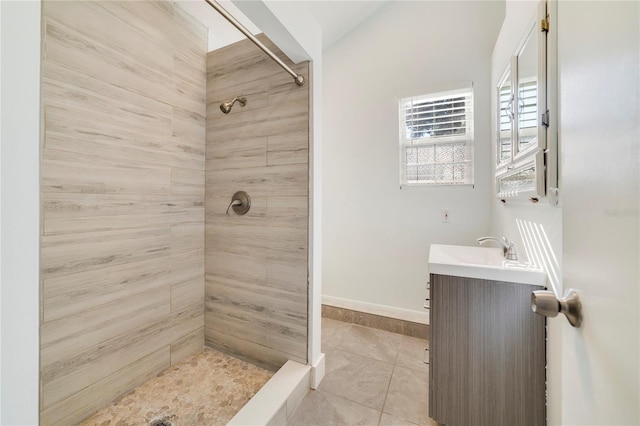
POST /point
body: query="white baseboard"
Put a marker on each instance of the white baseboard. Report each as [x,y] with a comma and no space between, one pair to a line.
[375,309]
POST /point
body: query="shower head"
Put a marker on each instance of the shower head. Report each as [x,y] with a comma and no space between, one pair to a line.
[225,107]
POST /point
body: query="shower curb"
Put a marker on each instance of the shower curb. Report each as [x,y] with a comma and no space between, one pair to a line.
[278,399]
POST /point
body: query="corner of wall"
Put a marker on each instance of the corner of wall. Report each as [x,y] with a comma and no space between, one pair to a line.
[20,209]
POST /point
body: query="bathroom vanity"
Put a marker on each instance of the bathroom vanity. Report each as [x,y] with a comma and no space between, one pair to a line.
[487,348]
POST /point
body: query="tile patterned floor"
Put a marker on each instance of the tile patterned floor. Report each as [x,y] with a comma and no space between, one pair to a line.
[208,388]
[373,377]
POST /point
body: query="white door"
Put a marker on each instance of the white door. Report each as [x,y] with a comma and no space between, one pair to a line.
[599,84]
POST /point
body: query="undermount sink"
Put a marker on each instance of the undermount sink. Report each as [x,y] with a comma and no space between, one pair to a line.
[483,263]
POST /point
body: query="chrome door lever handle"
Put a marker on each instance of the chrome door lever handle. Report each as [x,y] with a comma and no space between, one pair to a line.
[545,303]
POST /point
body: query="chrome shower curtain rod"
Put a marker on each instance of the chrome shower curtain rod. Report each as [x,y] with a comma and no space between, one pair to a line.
[299,79]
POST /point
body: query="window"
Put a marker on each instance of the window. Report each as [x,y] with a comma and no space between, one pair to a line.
[436,139]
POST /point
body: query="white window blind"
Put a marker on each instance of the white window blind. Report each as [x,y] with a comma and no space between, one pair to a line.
[527,114]
[436,138]
[506,117]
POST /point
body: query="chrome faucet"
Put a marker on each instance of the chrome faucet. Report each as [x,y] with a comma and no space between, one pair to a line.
[508,247]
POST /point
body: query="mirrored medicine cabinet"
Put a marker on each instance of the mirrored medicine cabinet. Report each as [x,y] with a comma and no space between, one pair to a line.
[525,160]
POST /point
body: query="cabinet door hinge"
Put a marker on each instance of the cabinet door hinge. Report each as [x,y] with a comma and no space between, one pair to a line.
[544,118]
[544,25]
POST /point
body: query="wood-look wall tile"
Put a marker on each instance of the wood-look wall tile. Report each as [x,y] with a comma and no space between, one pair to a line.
[187,293]
[110,154]
[154,19]
[186,266]
[123,161]
[237,154]
[188,97]
[62,225]
[289,180]
[265,356]
[66,377]
[83,112]
[78,122]
[66,337]
[260,355]
[242,62]
[187,182]
[188,131]
[287,275]
[189,68]
[66,46]
[188,32]
[105,26]
[280,308]
[57,77]
[257,328]
[284,256]
[71,294]
[291,212]
[249,239]
[230,66]
[58,205]
[70,213]
[60,176]
[254,308]
[252,331]
[95,396]
[188,237]
[187,345]
[65,254]
[288,148]
[235,266]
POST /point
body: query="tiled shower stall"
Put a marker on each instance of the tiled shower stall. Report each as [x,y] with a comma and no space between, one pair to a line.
[140,265]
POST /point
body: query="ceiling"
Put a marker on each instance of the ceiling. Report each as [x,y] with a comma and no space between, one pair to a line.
[336,18]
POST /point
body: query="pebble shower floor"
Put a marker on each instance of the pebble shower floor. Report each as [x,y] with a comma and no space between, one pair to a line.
[208,388]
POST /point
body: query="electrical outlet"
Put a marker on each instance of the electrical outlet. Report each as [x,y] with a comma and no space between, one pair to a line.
[445,216]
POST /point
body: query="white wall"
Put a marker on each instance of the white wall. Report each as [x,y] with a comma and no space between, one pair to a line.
[376,236]
[0,215]
[19,168]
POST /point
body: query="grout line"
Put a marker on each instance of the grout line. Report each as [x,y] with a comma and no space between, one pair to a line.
[340,348]
[394,364]
[345,398]
[386,395]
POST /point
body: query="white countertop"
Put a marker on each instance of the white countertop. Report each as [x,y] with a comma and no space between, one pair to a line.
[484,263]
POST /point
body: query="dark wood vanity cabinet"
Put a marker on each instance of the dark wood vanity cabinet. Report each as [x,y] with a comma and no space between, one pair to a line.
[487,354]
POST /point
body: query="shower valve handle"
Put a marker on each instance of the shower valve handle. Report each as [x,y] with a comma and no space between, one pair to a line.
[240,202]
